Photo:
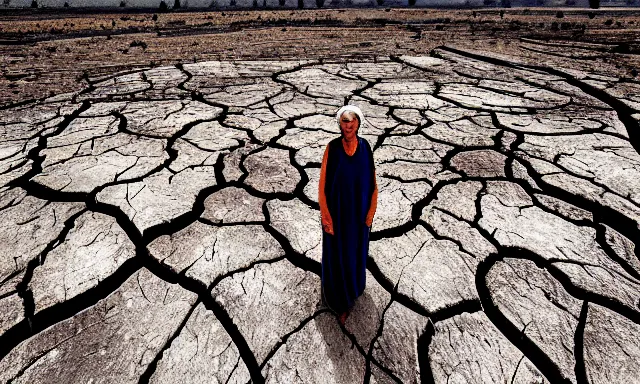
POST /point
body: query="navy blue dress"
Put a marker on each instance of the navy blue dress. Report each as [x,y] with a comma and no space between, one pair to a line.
[349,186]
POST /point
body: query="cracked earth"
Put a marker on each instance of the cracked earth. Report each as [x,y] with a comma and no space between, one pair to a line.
[163,226]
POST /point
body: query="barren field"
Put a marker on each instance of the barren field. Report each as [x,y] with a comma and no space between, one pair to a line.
[52,52]
[158,196]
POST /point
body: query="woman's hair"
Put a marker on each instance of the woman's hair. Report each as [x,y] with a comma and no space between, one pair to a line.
[352,114]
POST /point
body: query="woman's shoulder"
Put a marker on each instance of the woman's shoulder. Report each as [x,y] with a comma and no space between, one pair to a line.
[334,144]
[365,144]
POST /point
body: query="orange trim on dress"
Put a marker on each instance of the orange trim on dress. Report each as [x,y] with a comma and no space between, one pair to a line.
[325,217]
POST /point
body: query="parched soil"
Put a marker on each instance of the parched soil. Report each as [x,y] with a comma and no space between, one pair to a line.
[50,52]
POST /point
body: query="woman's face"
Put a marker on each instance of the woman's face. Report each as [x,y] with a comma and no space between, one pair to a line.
[348,125]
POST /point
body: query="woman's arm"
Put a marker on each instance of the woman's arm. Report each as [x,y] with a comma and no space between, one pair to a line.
[325,217]
[374,202]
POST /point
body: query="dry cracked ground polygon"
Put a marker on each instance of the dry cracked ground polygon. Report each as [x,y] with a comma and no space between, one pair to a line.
[163,225]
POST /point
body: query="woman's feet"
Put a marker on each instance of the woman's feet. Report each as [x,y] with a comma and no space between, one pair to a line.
[343,318]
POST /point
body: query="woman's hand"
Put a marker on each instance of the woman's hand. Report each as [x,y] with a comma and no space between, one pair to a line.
[327,224]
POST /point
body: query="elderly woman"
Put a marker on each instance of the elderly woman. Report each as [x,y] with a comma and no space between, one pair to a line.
[348,196]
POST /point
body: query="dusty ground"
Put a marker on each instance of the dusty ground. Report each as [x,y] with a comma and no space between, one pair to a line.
[161,224]
[45,53]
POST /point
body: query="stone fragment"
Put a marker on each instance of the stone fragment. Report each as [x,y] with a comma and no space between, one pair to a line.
[228,70]
[433,273]
[468,348]
[513,222]
[319,122]
[458,231]
[271,172]
[262,123]
[535,303]
[367,312]
[415,148]
[116,339]
[160,197]
[91,164]
[520,172]
[244,95]
[163,78]
[299,224]
[459,199]
[464,133]
[402,93]
[586,189]
[233,205]
[233,162]
[424,62]
[500,101]
[563,208]
[298,138]
[410,116]
[378,70]
[507,140]
[622,246]
[547,123]
[92,250]
[395,202]
[606,161]
[207,253]
[117,86]
[311,189]
[211,136]
[443,111]
[295,104]
[14,162]
[611,347]
[202,353]
[396,348]
[27,226]
[268,302]
[12,311]
[480,163]
[24,121]
[319,352]
[190,156]
[166,118]
[409,171]
[316,82]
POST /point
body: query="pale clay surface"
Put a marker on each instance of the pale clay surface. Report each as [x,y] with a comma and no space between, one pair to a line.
[151,235]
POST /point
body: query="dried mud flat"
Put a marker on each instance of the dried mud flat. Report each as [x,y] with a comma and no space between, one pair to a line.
[161,224]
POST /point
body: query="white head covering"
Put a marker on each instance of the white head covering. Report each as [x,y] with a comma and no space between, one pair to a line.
[350,108]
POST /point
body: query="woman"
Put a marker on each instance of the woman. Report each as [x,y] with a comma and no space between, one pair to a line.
[348,196]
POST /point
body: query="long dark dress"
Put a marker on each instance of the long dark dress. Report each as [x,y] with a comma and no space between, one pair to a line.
[348,189]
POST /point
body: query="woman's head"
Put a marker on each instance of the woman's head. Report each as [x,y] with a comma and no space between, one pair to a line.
[350,119]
